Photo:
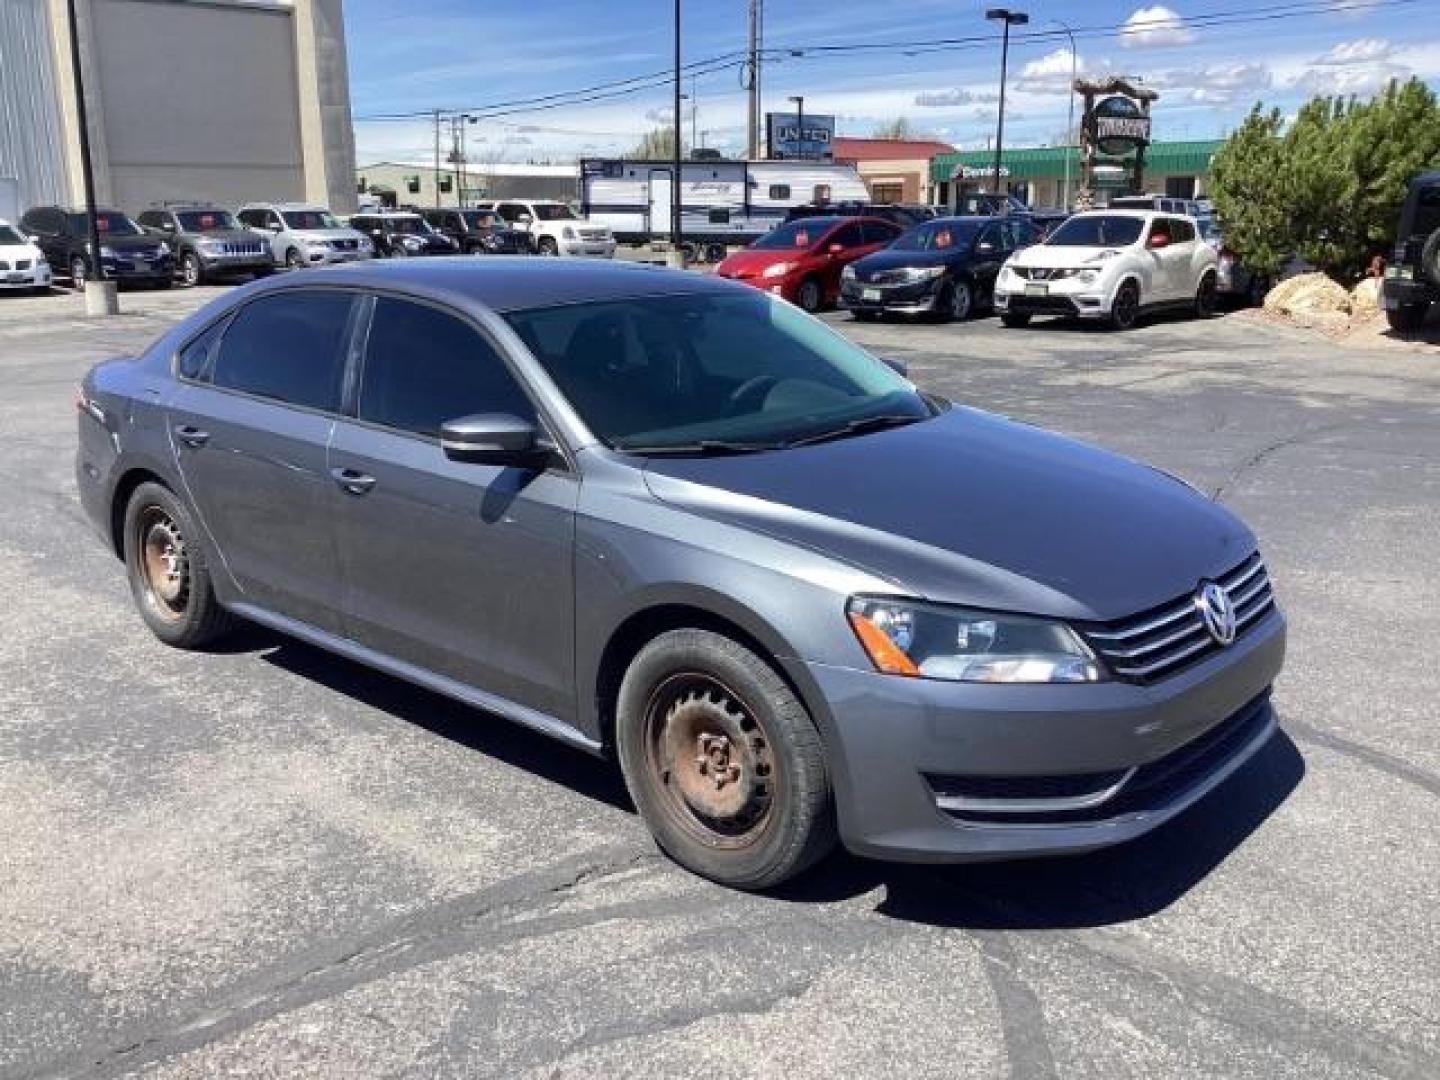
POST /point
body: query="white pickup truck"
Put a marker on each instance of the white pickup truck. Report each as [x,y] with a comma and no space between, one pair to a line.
[556,229]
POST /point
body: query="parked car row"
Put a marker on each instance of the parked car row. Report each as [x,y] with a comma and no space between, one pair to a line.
[1110,265]
[200,243]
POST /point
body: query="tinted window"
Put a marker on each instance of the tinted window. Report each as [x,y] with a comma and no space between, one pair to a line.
[1427,209]
[194,360]
[205,220]
[879,232]
[1162,227]
[510,211]
[108,224]
[289,347]
[423,367]
[1099,230]
[311,219]
[1019,233]
[795,235]
[848,236]
[1181,230]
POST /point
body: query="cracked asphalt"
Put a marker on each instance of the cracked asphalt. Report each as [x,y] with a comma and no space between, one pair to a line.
[268,862]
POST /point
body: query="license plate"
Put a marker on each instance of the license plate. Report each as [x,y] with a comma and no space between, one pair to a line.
[1037,290]
[870,294]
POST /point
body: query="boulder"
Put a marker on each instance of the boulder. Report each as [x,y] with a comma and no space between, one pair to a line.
[1308,294]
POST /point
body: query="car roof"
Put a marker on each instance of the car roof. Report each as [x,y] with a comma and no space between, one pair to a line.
[285,206]
[1126,211]
[945,219]
[515,283]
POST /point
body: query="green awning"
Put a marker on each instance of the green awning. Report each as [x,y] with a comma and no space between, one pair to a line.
[1048,162]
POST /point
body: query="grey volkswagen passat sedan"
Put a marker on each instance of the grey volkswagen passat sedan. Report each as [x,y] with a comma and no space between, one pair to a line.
[671,518]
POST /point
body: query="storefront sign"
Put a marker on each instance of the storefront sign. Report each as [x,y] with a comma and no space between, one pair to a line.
[977,172]
[1119,126]
[786,140]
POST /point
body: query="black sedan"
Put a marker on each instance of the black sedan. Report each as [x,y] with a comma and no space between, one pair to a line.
[401,234]
[945,268]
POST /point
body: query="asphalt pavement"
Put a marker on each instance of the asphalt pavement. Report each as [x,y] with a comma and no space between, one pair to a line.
[269,862]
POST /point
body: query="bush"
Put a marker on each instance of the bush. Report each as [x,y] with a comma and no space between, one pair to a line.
[1328,186]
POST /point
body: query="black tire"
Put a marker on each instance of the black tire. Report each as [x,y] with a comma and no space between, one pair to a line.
[1430,259]
[1407,317]
[192,270]
[1256,290]
[164,283]
[689,699]
[1125,308]
[864,316]
[957,303]
[811,295]
[1205,296]
[293,261]
[1015,319]
[171,584]
[79,271]
[546,245]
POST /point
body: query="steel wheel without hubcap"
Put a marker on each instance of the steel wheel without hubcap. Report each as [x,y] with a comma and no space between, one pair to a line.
[164,563]
[1126,307]
[190,269]
[292,259]
[711,761]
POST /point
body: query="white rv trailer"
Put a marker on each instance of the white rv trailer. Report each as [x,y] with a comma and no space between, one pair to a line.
[724,202]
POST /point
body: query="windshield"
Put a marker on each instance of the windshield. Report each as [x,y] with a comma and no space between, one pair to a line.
[409,226]
[703,373]
[1427,210]
[794,235]
[310,219]
[482,219]
[554,212]
[108,224]
[1209,228]
[206,220]
[942,235]
[1101,230]
[10,236]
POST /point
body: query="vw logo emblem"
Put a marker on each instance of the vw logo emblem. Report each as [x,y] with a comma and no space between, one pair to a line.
[1216,612]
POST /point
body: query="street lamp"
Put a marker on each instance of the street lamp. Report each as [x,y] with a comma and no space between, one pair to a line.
[1070,116]
[799,100]
[1009,18]
[675,203]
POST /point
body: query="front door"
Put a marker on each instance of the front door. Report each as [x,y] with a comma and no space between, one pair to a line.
[462,569]
[662,201]
[249,429]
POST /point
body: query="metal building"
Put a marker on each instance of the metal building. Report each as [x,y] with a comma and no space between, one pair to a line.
[224,100]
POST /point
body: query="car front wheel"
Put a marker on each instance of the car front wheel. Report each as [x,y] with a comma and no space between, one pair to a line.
[1015,319]
[1205,297]
[810,295]
[1406,317]
[192,271]
[1125,308]
[724,763]
[79,272]
[168,574]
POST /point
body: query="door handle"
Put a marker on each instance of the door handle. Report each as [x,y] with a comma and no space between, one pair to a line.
[353,481]
[191,435]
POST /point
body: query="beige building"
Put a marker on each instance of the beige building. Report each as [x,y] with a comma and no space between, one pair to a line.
[894,170]
[417,183]
[223,100]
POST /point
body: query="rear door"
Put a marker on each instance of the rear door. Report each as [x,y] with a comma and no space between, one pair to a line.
[462,569]
[250,428]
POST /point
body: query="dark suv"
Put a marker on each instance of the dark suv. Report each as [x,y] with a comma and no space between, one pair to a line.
[1412,280]
[207,241]
[399,234]
[479,232]
[127,251]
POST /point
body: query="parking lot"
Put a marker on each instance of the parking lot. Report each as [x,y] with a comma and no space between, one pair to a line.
[272,862]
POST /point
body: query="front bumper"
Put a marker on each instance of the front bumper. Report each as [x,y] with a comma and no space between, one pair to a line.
[1398,292]
[602,249]
[908,756]
[33,277]
[121,269]
[230,263]
[331,257]
[904,298]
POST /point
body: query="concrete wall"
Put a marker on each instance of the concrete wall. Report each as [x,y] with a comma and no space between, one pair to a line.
[30,154]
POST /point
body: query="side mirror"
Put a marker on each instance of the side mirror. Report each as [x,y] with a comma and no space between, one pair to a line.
[1159,240]
[490,439]
[895,364]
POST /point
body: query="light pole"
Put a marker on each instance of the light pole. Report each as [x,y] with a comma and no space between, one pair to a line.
[694,112]
[675,203]
[799,100]
[1070,116]
[1009,18]
[102,299]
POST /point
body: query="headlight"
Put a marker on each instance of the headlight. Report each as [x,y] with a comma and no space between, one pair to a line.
[210,246]
[412,241]
[1088,276]
[776,270]
[107,252]
[364,244]
[924,273]
[907,637]
[318,245]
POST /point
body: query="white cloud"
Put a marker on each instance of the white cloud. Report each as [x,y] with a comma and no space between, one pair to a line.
[1361,51]
[1051,74]
[1151,27]
[1362,80]
[955,95]
[1214,84]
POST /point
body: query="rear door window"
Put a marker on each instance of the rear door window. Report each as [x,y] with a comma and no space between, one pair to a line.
[288,347]
[424,366]
[879,232]
[1427,210]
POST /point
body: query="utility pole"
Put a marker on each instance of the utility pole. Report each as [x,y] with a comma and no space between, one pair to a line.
[694,112]
[1009,18]
[102,300]
[1070,118]
[799,100]
[757,16]
[676,238]
[437,159]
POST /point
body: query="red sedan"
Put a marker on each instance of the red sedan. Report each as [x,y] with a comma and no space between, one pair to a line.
[802,259]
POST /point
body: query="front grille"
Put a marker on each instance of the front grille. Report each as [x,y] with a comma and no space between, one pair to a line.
[1166,640]
[241,247]
[1021,304]
[888,277]
[593,234]
[1045,273]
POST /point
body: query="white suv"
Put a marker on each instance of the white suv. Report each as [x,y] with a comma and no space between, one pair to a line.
[555,228]
[305,235]
[1111,265]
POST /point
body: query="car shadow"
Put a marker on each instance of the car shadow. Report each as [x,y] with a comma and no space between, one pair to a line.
[1113,885]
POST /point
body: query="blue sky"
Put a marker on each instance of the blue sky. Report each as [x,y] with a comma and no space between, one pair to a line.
[461,54]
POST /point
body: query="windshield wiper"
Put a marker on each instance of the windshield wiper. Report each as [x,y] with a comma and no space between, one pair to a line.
[858,427]
[701,446]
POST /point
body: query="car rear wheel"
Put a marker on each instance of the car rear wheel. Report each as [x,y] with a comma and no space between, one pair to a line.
[1014,319]
[863,316]
[1406,317]
[958,301]
[79,272]
[293,260]
[168,574]
[723,762]
[1125,308]
[810,295]
[192,271]
[547,246]
[1205,297]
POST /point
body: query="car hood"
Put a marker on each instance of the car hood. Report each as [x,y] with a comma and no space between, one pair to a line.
[975,509]
[890,259]
[752,262]
[11,252]
[131,243]
[327,234]
[233,236]
[1058,255]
